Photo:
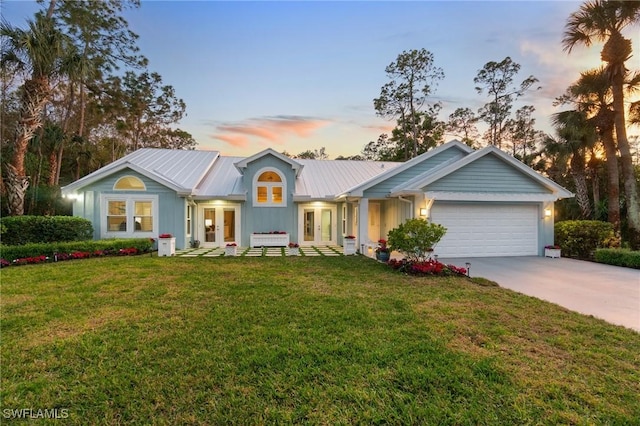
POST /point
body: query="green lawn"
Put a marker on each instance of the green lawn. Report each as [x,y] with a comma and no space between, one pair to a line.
[344,340]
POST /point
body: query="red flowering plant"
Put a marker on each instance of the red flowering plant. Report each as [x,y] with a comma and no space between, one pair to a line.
[553,247]
[294,245]
[232,245]
[128,251]
[350,237]
[424,268]
[382,246]
[165,236]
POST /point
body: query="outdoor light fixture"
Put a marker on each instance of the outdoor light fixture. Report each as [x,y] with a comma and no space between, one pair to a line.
[547,212]
[423,212]
[468,265]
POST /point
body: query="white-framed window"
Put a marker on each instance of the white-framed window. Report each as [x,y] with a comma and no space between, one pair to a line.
[270,188]
[344,219]
[129,183]
[129,215]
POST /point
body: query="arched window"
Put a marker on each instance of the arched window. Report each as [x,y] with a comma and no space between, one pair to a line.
[130,183]
[270,189]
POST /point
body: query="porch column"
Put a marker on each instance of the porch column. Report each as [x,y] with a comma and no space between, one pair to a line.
[363,224]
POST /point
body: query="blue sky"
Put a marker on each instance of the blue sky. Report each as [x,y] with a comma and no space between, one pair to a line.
[303,75]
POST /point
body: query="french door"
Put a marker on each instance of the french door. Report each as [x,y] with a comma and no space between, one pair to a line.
[219,226]
[319,225]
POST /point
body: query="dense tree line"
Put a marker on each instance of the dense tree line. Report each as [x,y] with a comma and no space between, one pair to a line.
[76,95]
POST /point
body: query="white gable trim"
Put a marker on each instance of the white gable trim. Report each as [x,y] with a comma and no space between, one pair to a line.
[358,191]
[94,177]
[558,191]
[241,165]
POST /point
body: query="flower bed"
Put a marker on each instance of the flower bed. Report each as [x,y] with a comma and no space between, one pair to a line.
[429,267]
[53,252]
[59,257]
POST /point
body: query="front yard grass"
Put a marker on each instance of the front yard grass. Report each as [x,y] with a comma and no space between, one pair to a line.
[344,340]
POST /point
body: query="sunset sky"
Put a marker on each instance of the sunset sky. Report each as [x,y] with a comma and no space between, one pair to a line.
[302,75]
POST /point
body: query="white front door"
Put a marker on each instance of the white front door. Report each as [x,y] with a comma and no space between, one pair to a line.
[219,226]
[318,225]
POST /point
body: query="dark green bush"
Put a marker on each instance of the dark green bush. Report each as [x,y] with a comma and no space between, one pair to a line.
[10,253]
[416,238]
[619,257]
[18,230]
[581,238]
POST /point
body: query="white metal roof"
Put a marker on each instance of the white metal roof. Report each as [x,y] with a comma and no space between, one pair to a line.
[179,169]
[223,181]
[321,179]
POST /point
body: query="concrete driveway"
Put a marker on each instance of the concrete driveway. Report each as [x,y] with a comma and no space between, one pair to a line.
[608,292]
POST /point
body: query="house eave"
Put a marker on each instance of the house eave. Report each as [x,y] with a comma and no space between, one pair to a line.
[491,196]
[230,197]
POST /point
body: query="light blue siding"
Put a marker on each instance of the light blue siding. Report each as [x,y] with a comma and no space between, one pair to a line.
[487,174]
[382,189]
[171,207]
[267,219]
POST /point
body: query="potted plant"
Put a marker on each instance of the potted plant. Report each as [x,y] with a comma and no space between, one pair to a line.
[195,244]
[349,245]
[166,245]
[231,249]
[552,251]
[382,251]
[294,249]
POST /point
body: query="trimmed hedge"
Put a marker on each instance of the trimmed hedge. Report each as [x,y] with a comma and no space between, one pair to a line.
[619,257]
[19,230]
[10,253]
[581,238]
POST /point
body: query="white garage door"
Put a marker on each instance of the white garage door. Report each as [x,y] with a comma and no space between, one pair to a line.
[487,230]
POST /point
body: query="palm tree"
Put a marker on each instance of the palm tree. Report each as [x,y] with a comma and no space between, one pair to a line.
[603,21]
[592,94]
[576,137]
[38,51]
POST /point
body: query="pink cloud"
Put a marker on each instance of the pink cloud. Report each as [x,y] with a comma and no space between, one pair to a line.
[381,128]
[272,130]
[233,140]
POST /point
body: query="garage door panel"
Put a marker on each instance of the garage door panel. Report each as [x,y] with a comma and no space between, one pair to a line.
[487,230]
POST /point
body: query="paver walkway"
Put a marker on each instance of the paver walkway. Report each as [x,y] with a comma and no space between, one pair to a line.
[261,251]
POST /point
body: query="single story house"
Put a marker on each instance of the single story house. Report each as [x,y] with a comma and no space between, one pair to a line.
[490,203]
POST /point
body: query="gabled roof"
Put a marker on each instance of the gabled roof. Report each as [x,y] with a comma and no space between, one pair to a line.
[207,175]
[242,164]
[323,179]
[358,190]
[223,181]
[415,185]
[180,170]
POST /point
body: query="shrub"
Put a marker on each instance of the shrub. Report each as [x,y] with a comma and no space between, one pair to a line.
[416,238]
[619,257]
[18,230]
[581,238]
[34,250]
